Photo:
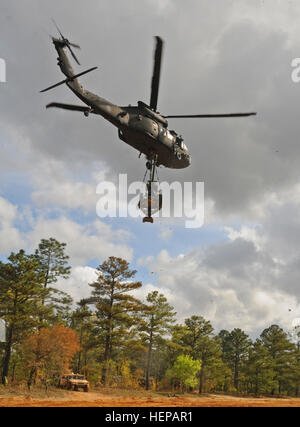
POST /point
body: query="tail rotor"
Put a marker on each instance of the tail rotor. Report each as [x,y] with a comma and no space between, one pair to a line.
[68,44]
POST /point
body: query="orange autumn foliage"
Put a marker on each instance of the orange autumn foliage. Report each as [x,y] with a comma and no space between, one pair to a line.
[51,350]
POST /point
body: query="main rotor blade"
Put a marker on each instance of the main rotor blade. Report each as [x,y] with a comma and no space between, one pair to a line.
[156,73]
[72,53]
[208,116]
[69,79]
[68,107]
[61,35]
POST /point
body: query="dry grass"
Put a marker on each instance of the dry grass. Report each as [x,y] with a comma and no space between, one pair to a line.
[22,391]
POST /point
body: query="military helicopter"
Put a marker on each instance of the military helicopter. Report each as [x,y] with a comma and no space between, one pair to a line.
[141,126]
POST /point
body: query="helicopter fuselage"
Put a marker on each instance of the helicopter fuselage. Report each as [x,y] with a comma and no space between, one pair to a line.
[140,127]
[149,134]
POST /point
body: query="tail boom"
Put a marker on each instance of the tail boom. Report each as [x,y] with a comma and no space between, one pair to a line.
[111,112]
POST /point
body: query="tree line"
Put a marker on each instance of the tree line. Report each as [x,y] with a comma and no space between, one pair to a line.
[116,339]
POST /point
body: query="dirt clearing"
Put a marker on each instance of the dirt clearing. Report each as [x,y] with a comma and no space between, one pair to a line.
[95,399]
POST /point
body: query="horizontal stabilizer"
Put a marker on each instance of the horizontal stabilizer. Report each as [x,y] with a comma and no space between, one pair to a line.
[70,107]
[69,79]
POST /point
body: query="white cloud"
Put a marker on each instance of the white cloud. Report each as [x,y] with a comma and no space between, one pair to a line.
[166,234]
[58,185]
[10,237]
[77,285]
[84,242]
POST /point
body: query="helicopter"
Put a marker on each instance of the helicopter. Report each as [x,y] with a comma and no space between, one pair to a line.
[141,126]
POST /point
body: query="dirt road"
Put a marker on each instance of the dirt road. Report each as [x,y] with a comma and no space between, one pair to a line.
[77,399]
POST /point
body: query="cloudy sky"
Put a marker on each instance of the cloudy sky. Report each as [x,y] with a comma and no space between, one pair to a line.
[242,268]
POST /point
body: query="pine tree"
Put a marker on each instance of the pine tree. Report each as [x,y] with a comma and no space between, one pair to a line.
[297,360]
[235,346]
[197,338]
[224,340]
[157,321]
[259,369]
[83,321]
[53,264]
[217,373]
[116,308]
[196,328]
[20,295]
[282,351]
